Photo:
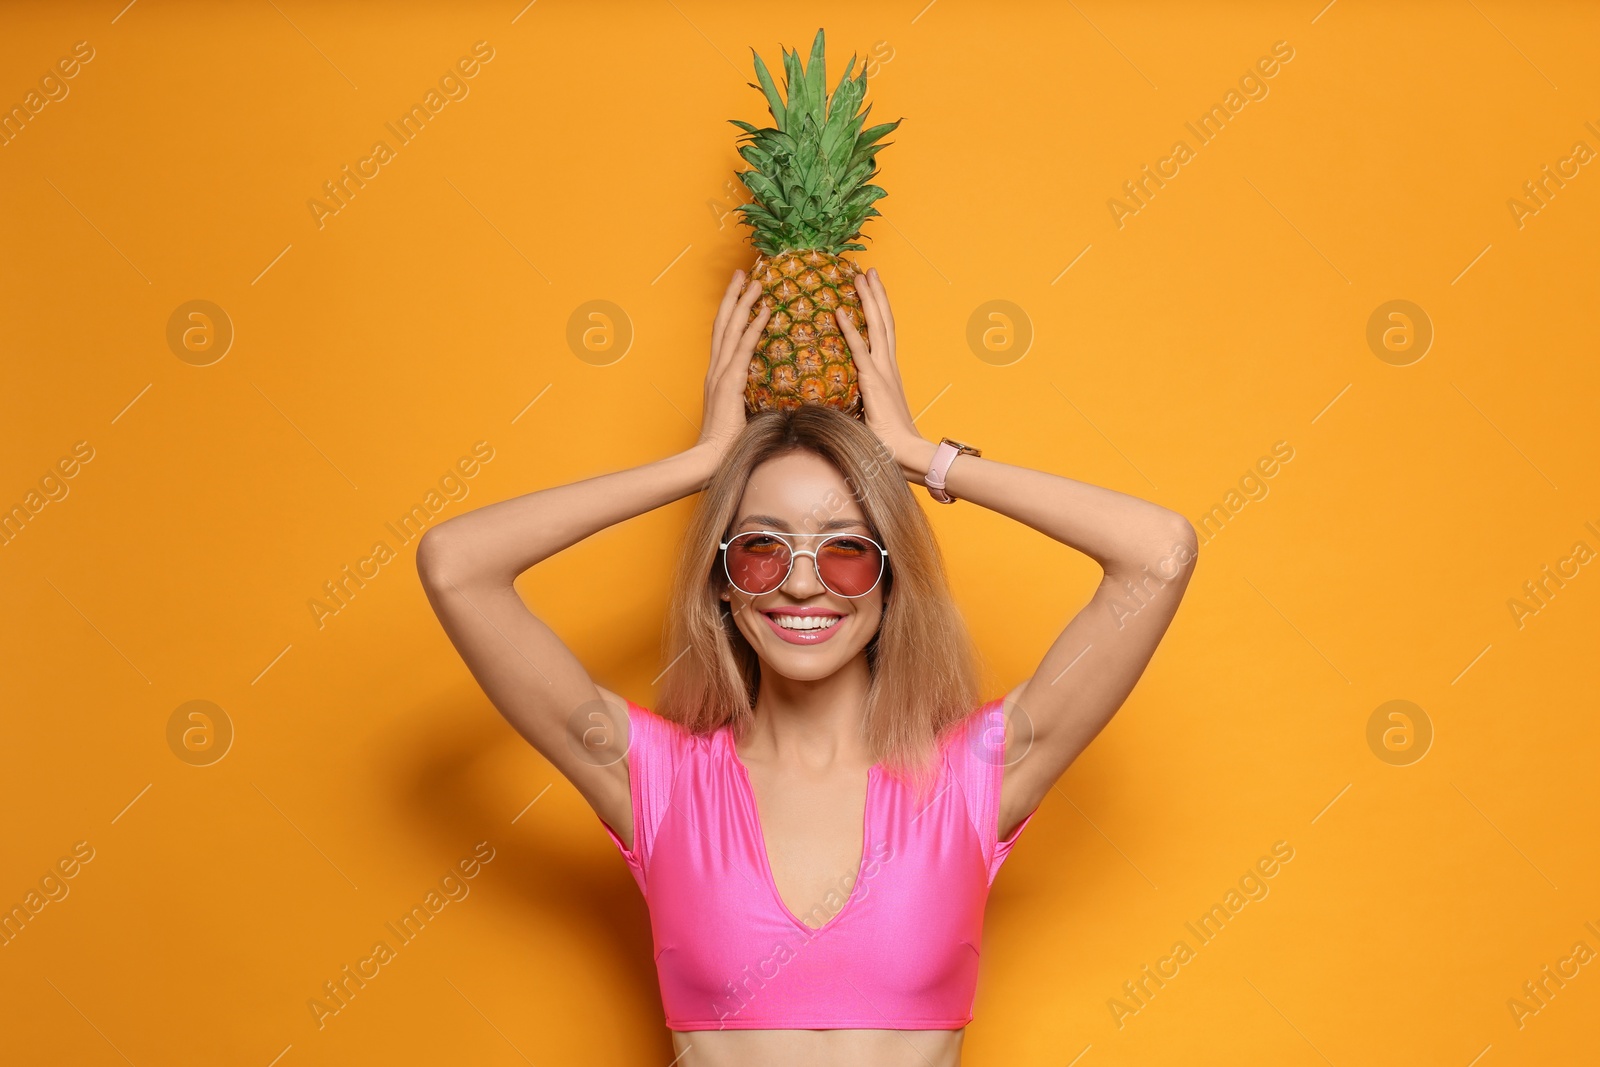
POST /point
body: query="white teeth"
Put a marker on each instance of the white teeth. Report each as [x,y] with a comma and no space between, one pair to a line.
[805,622]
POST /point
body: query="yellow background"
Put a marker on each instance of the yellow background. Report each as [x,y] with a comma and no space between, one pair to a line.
[589,162]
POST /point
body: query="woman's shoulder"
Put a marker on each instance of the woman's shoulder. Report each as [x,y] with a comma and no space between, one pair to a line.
[977,735]
[652,730]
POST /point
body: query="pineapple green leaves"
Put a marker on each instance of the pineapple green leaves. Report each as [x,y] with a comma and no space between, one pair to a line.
[809,174]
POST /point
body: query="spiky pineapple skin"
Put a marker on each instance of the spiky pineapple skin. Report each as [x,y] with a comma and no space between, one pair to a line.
[802,358]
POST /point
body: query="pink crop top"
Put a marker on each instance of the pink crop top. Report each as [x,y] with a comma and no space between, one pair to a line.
[902,951]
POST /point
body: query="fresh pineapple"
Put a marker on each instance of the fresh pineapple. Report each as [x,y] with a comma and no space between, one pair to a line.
[809,177]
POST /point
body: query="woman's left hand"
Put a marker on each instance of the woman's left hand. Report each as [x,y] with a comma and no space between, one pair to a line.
[883,395]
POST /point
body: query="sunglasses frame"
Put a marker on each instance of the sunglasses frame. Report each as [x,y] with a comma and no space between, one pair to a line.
[883,559]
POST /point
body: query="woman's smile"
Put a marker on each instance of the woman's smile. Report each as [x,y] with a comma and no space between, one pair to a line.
[803,626]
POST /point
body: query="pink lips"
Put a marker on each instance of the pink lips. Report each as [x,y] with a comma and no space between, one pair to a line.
[802,637]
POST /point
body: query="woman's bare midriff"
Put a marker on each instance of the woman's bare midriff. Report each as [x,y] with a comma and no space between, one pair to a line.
[817,1048]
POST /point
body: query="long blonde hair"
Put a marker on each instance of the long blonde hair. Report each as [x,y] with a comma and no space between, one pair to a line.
[923,662]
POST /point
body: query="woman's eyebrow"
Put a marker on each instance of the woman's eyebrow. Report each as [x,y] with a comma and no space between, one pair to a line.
[772,522]
[767,522]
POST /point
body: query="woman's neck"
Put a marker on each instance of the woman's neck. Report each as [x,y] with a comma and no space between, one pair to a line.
[814,724]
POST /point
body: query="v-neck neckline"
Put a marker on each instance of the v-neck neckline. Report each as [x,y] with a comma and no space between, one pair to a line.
[766,859]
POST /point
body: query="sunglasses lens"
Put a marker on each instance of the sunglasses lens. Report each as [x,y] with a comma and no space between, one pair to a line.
[850,566]
[757,563]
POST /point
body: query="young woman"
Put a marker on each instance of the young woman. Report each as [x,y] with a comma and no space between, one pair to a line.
[817,808]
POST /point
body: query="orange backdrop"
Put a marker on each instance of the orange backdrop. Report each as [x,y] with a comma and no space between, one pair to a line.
[1345,327]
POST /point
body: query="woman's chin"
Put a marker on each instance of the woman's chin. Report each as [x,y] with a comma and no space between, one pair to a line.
[810,672]
[801,664]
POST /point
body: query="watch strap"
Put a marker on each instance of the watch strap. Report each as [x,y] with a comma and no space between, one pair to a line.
[939,469]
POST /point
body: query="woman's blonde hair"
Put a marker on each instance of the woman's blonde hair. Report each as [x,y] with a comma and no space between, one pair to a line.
[923,662]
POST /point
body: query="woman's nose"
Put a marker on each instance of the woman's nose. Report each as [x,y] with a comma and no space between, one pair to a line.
[803,579]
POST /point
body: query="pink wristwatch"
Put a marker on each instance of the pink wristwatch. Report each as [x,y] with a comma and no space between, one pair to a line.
[948,450]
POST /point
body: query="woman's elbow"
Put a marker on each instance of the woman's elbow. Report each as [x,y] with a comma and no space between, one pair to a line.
[1175,549]
[1183,535]
[437,556]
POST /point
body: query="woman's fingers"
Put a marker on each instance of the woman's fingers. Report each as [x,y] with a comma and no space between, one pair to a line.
[752,333]
[730,297]
[739,320]
[869,306]
[884,310]
[737,299]
[861,351]
[745,335]
[857,343]
[734,369]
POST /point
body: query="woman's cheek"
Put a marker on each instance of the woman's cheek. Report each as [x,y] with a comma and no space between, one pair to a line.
[866,629]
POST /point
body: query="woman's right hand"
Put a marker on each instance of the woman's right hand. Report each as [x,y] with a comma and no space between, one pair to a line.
[733,342]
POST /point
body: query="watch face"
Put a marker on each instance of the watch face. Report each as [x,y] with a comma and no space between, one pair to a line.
[962,446]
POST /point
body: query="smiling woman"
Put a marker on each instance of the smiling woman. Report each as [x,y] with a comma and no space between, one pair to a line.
[819,721]
[759,549]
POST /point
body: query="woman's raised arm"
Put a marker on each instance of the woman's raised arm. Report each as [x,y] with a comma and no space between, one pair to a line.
[1147,553]
[468,565]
